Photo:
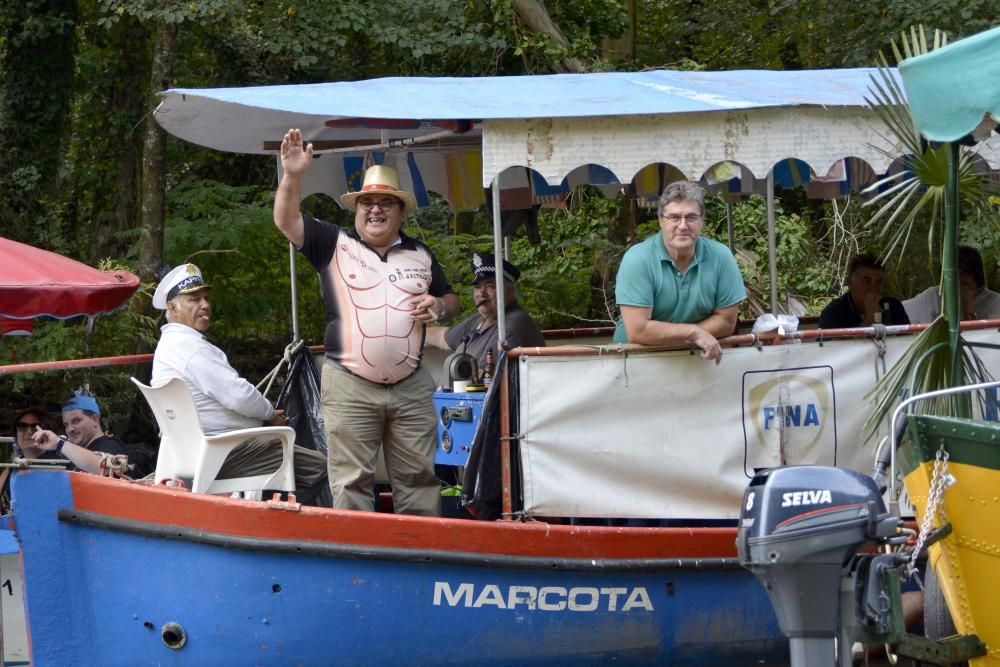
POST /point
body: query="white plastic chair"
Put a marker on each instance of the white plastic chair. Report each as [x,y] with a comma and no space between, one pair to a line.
[188,454]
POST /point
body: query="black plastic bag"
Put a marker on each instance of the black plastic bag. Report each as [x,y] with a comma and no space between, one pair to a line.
[302,402]
[482,487]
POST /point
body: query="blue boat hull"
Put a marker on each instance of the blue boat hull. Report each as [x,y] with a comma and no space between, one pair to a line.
[108,590]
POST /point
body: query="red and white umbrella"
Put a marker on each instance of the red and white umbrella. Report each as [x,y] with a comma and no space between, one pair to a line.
[39,283]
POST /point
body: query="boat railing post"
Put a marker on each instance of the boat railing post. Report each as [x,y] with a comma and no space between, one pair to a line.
[772,245]
[507,496]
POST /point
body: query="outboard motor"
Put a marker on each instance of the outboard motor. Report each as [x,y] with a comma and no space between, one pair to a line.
[800,531]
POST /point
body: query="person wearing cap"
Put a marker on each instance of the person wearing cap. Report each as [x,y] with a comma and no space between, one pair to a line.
[85,442]
[977,302]
[225,401]
[380,288]
[678,287]
[478,333]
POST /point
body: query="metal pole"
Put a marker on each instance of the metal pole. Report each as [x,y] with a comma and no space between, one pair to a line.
[949,267]
[772,252]
[729,226]
[295,292]
[498,252]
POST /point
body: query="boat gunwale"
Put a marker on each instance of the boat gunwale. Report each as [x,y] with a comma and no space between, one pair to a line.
[380,553]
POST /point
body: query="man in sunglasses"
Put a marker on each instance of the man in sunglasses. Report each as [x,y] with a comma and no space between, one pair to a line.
[380,288]
[26,424]
[678,287]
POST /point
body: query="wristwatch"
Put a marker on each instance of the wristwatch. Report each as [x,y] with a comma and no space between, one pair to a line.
[62,441]
[443,313]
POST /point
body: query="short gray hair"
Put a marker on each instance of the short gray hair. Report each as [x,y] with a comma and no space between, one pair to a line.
[682,191]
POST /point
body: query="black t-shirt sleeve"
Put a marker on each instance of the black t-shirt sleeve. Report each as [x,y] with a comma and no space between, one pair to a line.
[108,445]
[319,241]
[439,283]
[897,312]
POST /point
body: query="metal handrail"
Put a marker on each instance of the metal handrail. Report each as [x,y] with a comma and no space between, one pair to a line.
[921,397]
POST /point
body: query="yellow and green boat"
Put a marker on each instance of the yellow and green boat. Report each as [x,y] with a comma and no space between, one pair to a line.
[951,464]
[967,560]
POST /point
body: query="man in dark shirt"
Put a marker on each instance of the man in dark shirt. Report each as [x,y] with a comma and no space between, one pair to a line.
[478,333]
[863,303]
[85,440]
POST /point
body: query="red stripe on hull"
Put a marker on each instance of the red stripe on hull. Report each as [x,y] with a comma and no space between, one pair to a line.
[136,502]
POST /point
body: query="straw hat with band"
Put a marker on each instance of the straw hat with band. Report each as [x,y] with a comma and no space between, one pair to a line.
[380,180]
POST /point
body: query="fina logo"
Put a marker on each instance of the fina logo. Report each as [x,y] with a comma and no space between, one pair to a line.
[809,497]
[791,407]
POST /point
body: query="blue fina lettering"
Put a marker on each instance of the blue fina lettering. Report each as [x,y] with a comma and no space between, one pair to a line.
[791,415]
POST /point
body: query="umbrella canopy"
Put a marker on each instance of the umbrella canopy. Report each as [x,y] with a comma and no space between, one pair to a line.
[951,88]
[36,283]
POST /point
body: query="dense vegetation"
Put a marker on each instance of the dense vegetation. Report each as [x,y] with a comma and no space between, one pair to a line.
[81,163]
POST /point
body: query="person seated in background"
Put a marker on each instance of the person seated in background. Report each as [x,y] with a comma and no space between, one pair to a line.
[863,303]
[26,424]
[977,302]
[85,443]
[478,333]
[678,287]
[225,401]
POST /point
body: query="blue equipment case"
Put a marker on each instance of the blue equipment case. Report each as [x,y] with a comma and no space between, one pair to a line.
[458,416]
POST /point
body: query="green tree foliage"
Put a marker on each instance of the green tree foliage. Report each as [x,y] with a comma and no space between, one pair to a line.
[793,34]
[36,81]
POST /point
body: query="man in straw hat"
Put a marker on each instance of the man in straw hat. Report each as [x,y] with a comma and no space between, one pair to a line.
[380,288]
[225,401]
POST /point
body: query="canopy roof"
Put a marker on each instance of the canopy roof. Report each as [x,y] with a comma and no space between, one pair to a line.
[455,135]
[35,282]
[950,89]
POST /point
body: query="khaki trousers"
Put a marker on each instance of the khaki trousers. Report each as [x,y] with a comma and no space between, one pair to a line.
[259,456]
[361,417]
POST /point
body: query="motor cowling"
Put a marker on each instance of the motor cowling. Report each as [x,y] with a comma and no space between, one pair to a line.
[800,529]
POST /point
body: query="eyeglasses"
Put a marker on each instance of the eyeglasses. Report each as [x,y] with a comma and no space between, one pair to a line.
[25,427]
[690,218]
[384,204]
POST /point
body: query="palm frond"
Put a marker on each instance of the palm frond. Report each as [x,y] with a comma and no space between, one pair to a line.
[917,372]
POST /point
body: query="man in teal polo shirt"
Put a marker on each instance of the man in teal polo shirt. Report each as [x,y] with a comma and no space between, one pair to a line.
[677,287]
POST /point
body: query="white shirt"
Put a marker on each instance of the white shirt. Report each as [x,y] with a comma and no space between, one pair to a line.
[225,401]
[926,306]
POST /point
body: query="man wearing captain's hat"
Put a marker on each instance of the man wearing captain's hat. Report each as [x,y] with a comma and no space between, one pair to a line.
[380,287]
[478,333]
[225,401]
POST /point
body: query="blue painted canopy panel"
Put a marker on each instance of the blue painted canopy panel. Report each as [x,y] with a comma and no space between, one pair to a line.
[555,95]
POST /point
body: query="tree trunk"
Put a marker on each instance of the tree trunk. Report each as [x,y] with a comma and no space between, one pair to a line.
[154,158]
[536,18]
[624,47]
[607,256]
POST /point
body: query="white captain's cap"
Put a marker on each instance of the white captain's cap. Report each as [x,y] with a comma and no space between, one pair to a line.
[183,279]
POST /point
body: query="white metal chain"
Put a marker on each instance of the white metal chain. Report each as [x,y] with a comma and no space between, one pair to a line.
[941,479]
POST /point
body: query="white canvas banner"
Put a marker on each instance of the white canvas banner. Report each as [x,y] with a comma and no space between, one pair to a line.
[669,435]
